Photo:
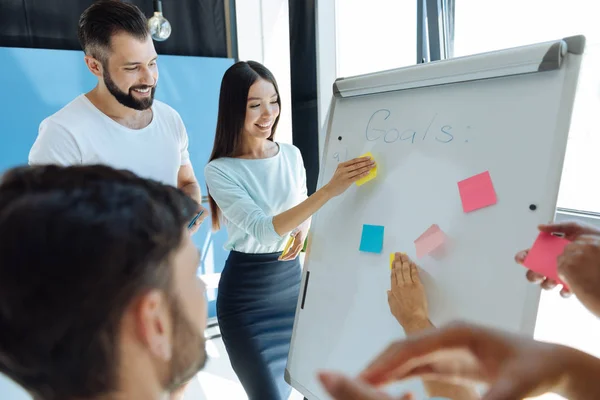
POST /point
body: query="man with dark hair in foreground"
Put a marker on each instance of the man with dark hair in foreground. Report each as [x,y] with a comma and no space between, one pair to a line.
[99,296]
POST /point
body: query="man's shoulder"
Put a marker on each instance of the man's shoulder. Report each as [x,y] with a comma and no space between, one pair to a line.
[165,110]
[68,116]
[168,117]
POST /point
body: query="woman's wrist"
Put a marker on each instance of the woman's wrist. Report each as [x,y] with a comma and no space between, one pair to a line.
[325,191]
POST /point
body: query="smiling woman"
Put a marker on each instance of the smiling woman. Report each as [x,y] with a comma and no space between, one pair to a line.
[257,186]
[260,120]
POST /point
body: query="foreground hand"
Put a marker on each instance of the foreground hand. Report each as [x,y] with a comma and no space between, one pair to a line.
[514,367]
[408,303]
[343,388]
[533,277]
[579,268]
[571,231]
[407,299]
[349,172]
[194,228]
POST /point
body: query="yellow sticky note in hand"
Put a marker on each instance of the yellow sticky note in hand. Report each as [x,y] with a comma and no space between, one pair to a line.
[392,258]
[288,245]
[372,173]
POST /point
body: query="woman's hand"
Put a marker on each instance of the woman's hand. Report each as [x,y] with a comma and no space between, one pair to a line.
[347,173]
[299,235]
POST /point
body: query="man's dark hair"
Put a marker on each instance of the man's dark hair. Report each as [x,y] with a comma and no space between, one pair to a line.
[105,18]
[77,246]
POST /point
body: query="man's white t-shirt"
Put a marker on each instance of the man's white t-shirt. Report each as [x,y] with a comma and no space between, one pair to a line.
[80,134]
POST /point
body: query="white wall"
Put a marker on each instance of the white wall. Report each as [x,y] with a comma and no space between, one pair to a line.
[263,34]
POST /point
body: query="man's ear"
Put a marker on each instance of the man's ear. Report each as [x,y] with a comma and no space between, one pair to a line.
[94,65]
[153,321]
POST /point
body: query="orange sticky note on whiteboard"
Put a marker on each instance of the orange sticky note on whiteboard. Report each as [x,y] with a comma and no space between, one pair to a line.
[430,240]
[372,173]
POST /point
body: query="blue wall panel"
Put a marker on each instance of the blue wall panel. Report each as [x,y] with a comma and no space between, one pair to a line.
[35,83]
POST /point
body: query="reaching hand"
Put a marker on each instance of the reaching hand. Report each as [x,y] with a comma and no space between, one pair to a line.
[534,277]
[407,299]
[579,268]
[349,172]
[572,231]
[408,303]
[343,388]
[514,367]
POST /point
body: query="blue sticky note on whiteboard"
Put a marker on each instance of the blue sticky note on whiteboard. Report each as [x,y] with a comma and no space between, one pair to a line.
[371,240]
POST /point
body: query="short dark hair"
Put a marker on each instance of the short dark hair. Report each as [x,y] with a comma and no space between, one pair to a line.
[233,100]
[77,246]
[105,18]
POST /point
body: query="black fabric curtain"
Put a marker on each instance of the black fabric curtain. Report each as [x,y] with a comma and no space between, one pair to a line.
[199,26]
[303,60]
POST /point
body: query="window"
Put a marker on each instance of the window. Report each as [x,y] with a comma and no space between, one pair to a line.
[482,26]
[375,35]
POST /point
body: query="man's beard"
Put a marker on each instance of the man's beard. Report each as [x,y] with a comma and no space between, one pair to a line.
[127,99]
[189,351]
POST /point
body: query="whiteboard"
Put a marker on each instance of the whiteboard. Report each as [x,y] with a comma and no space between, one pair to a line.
[428,127]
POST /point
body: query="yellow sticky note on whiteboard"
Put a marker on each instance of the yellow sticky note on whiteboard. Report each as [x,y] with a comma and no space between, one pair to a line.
[372,173]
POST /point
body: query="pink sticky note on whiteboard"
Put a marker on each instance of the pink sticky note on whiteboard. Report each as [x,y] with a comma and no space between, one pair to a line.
[477,192]
[430,240]
[542,258]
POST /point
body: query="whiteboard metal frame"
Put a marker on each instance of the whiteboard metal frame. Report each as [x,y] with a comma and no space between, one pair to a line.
[529,59]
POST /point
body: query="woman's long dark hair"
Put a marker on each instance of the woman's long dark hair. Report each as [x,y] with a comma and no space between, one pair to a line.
[233,101]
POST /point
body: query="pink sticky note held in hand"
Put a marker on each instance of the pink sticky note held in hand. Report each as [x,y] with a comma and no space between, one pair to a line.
[430,240]
[477,192]
[542,258]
